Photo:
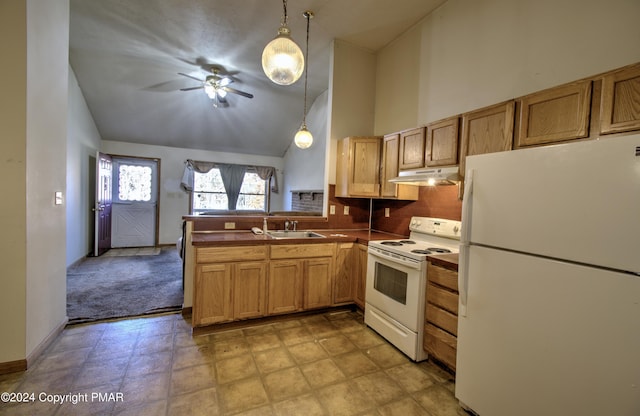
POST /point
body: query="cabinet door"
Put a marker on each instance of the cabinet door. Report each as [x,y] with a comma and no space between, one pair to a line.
[360,276]
[249,289]
[344,273]
[365,167]
[390,146]
[212,303]
[620,107]
[554,115]
[487,130]
[284,286]
[442,143]
[318,284]
[412,149]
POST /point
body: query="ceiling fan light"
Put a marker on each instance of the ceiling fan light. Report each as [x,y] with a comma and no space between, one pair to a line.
[221,93]
[282,59]
[210,91]
[303,138]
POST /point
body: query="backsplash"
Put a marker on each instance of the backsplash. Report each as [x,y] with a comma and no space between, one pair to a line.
[433,201]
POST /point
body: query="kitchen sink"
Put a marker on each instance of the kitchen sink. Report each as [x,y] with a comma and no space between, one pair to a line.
[293,234]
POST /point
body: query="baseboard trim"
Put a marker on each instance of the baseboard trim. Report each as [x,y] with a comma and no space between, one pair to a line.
[13,366]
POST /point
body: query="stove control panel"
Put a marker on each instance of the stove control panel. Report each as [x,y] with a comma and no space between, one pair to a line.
[435,226]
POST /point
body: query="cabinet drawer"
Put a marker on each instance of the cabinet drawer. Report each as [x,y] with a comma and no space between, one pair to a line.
[238,253]
[443,298]
[294,251]
[442,319]
[443,277]
[441,345]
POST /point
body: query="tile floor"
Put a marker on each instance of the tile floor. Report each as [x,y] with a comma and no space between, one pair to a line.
[325,364]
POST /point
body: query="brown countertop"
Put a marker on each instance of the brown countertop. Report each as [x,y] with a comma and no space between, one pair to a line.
[246,237]
[449,261]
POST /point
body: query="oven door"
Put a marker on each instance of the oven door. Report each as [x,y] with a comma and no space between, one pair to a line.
[396,286]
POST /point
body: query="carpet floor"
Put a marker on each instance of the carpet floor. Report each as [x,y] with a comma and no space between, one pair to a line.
[124,284]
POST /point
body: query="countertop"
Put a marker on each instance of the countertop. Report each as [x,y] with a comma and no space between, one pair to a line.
[449,261]
[246,237]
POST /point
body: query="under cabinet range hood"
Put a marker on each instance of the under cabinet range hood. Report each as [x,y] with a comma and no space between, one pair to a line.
[429,176]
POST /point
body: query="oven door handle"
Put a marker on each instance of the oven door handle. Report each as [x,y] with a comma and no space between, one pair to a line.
[395,259]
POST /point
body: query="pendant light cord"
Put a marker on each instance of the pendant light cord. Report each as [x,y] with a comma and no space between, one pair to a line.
[306,71]
[284,14]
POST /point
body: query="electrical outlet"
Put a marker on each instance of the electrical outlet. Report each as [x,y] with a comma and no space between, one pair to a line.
[346,210]
[332,210]
[386,212]
[229,225]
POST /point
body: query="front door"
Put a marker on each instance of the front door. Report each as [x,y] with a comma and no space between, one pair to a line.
[102,210]
[135,196]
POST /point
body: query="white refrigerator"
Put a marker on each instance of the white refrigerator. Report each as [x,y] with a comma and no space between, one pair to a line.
[549,281]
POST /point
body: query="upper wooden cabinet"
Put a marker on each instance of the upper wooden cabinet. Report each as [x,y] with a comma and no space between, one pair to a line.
[389,170]
[487,130]
[412,149]
[442,142]
[620,105]
[358,167]
[363,167]
[554,115]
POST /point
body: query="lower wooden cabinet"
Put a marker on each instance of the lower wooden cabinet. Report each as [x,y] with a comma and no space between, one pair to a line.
[245,282]
[249,289]
[318,283]
[360,274]
[343,282]
[229,291]
[441,314]
[285,286]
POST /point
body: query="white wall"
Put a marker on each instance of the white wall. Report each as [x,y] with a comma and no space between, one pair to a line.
[83,143]
[174,202]
[13,179]
[351,97]
[304,169]
[47,92]
[474,53]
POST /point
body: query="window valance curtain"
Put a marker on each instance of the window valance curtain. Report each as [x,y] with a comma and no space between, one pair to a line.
[264,172]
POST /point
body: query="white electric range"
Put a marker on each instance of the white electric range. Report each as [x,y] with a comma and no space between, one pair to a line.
[397,281]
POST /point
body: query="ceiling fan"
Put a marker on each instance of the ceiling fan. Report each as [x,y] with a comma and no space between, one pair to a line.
[216,87]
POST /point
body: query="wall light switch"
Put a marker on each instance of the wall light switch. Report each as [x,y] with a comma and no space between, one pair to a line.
[332,210]
[58,198]
[386,212]
[229,225]
[346,210]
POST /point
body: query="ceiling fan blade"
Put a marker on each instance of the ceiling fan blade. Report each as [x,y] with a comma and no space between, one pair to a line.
[224,81]
[189,76]
[235,91]
[192,88]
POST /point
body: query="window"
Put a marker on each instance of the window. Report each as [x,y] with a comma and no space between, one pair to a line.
[209,193]
[134,183]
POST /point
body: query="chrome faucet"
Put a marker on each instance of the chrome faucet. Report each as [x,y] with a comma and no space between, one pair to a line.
[295,225]
[286,225]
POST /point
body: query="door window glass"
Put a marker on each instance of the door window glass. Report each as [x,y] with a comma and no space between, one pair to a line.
[134,183]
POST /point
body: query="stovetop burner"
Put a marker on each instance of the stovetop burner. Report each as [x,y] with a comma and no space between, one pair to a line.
[391,243]
[438,250]
[421,251]
[407,241]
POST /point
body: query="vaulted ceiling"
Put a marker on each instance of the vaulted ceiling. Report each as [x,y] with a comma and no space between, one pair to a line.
[126,55]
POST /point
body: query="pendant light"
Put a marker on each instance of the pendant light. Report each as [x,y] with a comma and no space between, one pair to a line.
[303,138]
[282,60]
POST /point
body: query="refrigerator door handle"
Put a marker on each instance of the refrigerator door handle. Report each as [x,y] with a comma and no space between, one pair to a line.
[463,279]
[467,204]
[463,266]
